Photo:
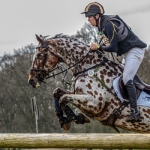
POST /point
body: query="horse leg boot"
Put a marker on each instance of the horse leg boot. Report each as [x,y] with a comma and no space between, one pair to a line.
[79,119]
[64,122]
[131,91]
[69,113]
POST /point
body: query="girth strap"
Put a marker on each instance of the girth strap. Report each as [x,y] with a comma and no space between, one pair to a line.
[110,121]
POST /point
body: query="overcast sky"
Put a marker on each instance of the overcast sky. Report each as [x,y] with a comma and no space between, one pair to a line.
[20,20]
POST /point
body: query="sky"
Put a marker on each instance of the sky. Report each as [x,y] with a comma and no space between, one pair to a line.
[20,20]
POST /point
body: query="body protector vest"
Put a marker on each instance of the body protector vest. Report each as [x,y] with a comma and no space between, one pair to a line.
[126,39]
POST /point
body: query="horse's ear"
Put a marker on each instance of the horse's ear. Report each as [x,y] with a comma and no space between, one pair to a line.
[39,39]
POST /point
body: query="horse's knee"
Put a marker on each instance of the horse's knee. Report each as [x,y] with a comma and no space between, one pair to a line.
[58,92]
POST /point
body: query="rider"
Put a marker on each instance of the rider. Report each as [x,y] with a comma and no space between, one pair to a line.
[118,37]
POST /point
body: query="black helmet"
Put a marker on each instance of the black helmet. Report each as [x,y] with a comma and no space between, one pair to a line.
[93,9]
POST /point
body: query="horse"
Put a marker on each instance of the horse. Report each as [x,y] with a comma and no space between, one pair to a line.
[93,77]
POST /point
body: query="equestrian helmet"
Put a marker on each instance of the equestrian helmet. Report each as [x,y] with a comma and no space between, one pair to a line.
[93,9]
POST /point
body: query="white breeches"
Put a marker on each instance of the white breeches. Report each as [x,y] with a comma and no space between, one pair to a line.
[133,60]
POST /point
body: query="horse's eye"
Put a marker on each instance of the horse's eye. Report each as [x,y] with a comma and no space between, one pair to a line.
[39,55]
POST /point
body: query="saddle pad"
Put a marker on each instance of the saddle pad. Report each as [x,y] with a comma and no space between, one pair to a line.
[143,100]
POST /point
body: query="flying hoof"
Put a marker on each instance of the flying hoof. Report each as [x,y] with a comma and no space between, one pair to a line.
[65,123]
[66,126]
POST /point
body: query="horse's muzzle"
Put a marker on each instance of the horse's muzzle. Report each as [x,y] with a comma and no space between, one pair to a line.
[32,82]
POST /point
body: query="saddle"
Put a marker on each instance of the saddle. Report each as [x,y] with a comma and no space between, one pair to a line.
[139,85]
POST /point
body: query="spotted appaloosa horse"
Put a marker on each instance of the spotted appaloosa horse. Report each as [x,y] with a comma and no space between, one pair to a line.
[90,95]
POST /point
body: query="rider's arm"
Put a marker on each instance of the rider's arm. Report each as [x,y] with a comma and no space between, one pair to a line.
[110,32]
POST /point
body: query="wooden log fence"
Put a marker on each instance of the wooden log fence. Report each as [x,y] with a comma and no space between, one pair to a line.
[76,140]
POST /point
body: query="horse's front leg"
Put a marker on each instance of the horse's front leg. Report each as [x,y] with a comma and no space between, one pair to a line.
[66,121]
[63,121]
[84,102]
[58,92]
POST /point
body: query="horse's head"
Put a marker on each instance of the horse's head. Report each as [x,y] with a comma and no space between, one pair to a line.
[61,48]
[44,61]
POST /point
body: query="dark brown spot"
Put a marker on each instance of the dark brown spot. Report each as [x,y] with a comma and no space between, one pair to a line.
[100,104]
[87,62]
[62,44]
[82,80]
[100,98]
[90,93]
[102,77]
[112,107]
[90,106]
[104,70]
[107,80]
[79,90]
[109,74]
[107,67]
[89,86]
[94,61]
[95,92]
[148,111]
[112,100]
[147,116]
[91,81]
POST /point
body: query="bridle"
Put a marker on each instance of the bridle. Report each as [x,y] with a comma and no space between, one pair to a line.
[43,74]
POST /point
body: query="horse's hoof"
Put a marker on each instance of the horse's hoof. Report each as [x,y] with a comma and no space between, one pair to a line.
[66,126]
[65,123]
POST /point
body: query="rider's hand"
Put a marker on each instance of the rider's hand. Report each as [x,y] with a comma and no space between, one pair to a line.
[94,46]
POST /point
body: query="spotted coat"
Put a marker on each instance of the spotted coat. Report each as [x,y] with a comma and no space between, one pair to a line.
[90,96]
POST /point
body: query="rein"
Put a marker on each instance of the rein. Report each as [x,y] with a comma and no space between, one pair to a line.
[101,63]
[43,72]
[66,70]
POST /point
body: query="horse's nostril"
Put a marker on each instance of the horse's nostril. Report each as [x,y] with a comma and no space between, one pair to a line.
[31,81]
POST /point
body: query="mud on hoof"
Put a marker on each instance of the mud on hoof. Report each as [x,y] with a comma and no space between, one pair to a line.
[65,123]
[58,92]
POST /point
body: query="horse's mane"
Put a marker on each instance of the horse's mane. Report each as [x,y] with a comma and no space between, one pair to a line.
[72,37]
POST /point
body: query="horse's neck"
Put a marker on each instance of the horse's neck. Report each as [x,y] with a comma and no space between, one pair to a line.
[74,51]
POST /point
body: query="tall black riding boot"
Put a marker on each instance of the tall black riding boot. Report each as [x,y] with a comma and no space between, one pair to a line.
[131,91]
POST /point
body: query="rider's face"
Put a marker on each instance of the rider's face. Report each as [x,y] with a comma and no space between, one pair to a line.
[92,20]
